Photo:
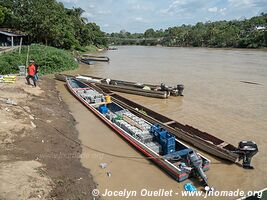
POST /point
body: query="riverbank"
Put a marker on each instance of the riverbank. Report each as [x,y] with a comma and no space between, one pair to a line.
[39,159]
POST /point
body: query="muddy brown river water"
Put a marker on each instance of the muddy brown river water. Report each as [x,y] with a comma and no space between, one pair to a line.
[217,100]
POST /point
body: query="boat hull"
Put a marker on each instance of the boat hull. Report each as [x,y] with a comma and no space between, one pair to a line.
[95,58]
[136,91]
[133,85]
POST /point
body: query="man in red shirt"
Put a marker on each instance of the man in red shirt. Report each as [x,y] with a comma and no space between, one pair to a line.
[31,73]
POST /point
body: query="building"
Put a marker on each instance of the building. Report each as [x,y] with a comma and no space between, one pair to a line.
[260,28]
[10,39]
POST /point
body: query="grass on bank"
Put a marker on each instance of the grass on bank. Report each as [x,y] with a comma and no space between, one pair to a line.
[49,59]
[90,48]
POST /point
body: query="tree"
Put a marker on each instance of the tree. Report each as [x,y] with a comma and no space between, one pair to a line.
[49,22]
[150,33]
[2,15]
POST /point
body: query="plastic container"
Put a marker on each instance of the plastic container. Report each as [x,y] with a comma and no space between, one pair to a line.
[22,70]
[103,109]
[168,149]
[189,187]
[108,99]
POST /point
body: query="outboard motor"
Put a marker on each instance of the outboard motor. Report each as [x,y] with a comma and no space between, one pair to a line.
[195,161]
[163,87]
[180,89]
[246,150]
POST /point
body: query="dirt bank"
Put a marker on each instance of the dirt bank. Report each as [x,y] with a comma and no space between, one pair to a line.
[39,160]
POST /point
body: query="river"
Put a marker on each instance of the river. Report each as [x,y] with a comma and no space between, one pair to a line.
[215,100]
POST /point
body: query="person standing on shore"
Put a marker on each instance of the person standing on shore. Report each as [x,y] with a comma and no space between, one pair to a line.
[31,73]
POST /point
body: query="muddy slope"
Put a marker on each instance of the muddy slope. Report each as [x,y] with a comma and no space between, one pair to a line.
[37,145]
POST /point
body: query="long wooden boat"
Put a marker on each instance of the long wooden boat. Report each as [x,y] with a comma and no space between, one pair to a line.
[113,48]
[120,88]
[133,87]
[115,85]
[156,143]
[87,61]
[95,58]
[149,90]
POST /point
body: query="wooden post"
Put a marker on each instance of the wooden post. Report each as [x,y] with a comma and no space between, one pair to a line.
[20,45]
[12,41]
[27,56]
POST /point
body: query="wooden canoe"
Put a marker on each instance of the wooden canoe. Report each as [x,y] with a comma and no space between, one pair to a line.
[95,58]
[125,85]
[120,88]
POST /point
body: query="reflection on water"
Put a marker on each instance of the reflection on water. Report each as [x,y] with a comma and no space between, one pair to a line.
[216,100]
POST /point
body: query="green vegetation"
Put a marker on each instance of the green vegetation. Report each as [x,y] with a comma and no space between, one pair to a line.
[248,33]
[50,23]
[90,48]
[49,59]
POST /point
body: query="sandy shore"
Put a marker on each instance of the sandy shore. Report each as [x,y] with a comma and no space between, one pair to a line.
[39,158]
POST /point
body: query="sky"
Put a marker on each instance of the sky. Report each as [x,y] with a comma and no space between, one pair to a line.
[140,15]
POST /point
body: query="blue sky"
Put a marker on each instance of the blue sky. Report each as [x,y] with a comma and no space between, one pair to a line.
[139,15]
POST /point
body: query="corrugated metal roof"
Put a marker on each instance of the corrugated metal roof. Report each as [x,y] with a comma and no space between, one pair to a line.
[10,34]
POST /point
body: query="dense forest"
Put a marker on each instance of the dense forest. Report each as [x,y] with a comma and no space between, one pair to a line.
[247,33]
[50,23]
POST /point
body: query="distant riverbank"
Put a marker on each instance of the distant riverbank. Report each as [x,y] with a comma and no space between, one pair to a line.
[247,33]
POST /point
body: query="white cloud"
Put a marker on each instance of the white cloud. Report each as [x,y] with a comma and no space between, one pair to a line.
[138,15]
[173,7]
[241,3]
[222,11]
[88,15]
[104,12]
[139,7]
[217,10]
[91,6]
[213,9]
[140,20]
